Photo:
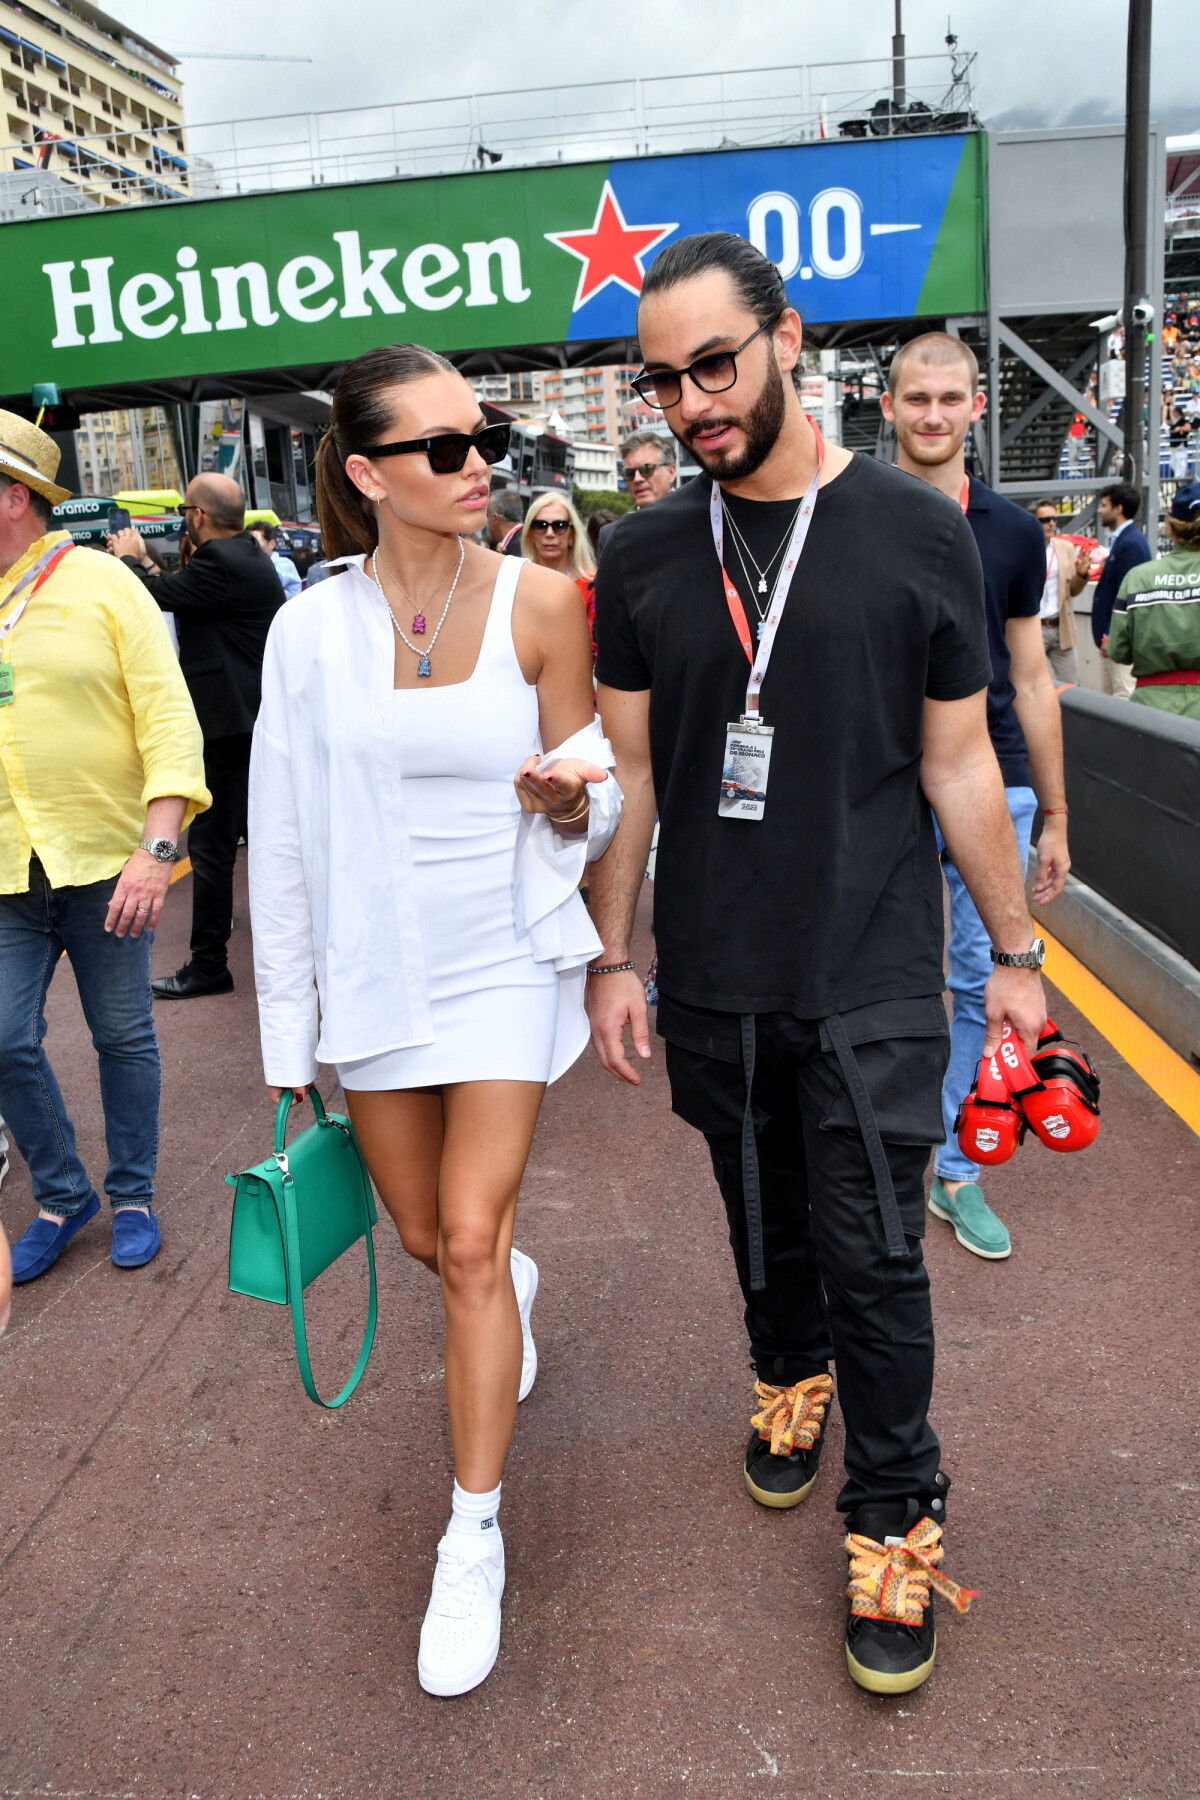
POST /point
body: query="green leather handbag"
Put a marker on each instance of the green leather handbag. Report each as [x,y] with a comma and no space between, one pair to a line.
[294,1214]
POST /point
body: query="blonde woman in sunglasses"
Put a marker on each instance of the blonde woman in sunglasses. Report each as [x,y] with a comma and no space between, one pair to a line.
[555,536]
[414,866]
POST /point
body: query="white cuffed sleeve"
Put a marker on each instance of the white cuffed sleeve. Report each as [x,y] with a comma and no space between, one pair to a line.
[550,864]
[281,916]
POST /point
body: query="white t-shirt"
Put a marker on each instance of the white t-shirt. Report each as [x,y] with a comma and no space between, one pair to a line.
[1049,606]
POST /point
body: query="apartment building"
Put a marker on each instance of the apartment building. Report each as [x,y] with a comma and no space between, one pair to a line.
[123,452]
[596,467]
[592,401]
[516,393]
[90,101]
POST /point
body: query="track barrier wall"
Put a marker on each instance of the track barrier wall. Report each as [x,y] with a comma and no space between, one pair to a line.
[1129,911]
[1133,787]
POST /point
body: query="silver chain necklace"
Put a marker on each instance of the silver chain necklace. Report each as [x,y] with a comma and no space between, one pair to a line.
[422,656]
[740,544]
[760,610]
[418,623]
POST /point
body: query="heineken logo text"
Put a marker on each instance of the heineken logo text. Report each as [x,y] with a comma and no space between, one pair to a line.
[91,307]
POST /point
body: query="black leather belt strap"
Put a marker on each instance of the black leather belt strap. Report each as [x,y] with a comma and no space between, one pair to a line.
[856,1087]
[751,1191]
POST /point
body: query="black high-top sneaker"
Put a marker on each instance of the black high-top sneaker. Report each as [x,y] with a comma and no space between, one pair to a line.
[784,1454]
[895,1552]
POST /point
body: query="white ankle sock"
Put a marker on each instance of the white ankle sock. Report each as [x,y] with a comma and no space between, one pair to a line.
[473,1517]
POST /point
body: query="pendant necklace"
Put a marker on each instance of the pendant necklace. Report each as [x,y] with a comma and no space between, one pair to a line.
[738,542]
[418,624]
[422,656]
[761,575]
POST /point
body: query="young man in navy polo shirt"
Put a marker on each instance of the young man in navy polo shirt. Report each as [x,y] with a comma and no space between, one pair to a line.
[933,399]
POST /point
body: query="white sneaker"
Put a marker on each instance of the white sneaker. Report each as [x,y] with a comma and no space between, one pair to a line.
[525,1281]
[460,1638]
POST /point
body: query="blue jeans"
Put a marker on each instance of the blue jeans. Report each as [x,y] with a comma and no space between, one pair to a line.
[113,977]
[970,966]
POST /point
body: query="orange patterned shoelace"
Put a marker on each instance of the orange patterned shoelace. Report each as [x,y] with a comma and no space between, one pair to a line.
[893,1581]
[790,1418]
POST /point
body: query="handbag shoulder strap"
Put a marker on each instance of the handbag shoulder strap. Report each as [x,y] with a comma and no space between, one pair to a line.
[295,1288]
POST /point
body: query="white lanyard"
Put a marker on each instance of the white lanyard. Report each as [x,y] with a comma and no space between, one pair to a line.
[10,623]
[766,643]
[32,581]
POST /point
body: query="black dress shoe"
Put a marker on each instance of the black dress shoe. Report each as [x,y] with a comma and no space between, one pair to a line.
[189,983]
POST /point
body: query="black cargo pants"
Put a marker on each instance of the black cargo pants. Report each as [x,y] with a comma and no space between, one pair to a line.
[837,1270]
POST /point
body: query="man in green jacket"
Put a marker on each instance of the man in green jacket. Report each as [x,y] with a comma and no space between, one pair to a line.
[1156,619]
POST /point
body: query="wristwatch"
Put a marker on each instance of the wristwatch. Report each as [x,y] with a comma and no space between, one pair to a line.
[161,849]
[1033,958]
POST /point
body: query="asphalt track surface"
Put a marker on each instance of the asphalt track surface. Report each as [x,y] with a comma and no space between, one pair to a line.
[211,1589]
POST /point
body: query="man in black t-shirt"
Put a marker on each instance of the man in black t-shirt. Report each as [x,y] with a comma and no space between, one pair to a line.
[800,934]
[933,398]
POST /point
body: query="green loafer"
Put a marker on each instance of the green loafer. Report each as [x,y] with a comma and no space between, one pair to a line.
[975,1224]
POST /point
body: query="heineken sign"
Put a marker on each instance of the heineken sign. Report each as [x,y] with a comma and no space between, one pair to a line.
[860,230]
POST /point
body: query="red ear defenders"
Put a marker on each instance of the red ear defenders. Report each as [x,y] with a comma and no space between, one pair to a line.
[1055,1094]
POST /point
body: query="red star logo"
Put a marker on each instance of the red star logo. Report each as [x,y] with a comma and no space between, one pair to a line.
[611,250]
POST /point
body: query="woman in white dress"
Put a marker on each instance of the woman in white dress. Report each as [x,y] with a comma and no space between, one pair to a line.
[414,861]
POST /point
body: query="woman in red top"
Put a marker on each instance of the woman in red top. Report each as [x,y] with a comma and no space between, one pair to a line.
[555,536]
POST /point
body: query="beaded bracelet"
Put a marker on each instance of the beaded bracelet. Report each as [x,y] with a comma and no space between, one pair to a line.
[608,968]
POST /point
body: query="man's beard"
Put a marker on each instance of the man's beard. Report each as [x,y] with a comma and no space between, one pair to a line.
[761,427]
[932,453]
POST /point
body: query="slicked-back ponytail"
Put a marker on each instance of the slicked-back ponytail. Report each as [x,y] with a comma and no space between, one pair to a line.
[361,416]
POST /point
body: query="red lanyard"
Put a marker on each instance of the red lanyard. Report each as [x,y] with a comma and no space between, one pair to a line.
[733,599]
[964,498]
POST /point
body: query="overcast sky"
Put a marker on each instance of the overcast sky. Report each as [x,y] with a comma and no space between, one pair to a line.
[1039,61]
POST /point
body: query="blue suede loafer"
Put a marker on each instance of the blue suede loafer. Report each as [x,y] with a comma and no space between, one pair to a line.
[136,1237]
[39,1248]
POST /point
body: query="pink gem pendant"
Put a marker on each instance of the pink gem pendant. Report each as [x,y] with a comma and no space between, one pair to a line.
[419,625]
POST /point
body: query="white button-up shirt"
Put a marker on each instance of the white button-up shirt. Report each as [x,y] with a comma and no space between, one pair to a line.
[339,960]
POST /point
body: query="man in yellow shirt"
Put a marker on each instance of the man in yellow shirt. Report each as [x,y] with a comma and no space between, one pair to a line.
[101,767]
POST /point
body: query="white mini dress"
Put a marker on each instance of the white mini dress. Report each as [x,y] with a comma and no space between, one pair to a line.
[494,1009]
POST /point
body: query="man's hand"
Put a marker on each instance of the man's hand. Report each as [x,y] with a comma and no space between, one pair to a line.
[1083,562]
[1054,862]
[138,896]
[613,1002]
[1013,997]
[128,543]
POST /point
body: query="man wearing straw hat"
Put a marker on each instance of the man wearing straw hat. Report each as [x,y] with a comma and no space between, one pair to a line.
[101,767]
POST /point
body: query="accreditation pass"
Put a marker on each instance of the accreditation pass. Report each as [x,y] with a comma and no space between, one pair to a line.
[745,769]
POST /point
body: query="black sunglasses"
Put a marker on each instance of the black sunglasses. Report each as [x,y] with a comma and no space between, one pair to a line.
[550,525]
[645,470]
[449,451]
[712,374]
